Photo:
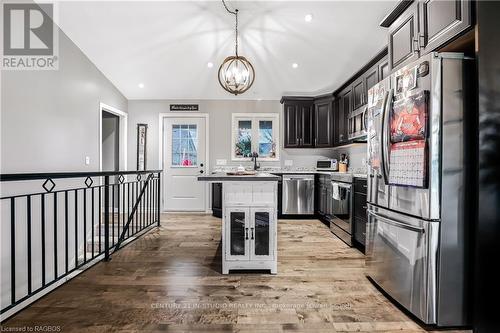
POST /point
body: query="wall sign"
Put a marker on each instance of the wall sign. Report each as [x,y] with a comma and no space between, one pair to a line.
[141,146]
[184,107]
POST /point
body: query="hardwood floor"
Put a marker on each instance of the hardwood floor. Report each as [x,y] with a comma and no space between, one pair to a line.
[170,280]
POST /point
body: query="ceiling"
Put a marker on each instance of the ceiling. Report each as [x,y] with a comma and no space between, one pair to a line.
[166,45]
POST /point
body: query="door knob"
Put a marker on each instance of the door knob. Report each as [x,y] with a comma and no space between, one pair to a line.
[201,164]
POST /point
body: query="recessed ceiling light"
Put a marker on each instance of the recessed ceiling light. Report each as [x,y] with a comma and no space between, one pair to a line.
[295,65]
[308,18]
[141,85]
[210,64]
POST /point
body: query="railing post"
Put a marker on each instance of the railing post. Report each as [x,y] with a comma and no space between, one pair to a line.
[158,209]
[106,218]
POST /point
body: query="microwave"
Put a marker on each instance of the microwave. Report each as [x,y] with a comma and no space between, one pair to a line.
[327,165]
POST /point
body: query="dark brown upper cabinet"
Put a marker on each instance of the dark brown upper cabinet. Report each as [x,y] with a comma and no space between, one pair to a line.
[298,121]
[323,123]
[383,69]
[358,93]
[345,107]
[425,26]
[440,21]
[371,78]
[403,38]
[306,133]
[290,118]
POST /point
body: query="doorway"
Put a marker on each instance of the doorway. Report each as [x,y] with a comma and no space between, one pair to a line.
[110,142]
[185,157]
[112,139]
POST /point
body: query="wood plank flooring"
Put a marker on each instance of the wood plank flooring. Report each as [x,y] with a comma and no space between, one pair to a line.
[170,280]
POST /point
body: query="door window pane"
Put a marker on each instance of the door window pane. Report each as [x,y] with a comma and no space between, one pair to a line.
[262,233]
[267,146]
[184,145]
[237,231]
[243,138]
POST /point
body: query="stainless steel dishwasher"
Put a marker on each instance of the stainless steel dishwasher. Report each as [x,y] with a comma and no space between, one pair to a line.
[298,195]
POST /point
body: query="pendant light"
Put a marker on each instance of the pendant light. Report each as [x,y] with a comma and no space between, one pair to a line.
[236,74]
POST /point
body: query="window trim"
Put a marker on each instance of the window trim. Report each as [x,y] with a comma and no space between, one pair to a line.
[255,118]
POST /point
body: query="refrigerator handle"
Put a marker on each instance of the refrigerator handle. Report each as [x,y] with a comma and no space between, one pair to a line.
[385,136]
[381,135]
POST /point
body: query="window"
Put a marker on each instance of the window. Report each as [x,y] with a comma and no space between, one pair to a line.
[255,133]
[184,145]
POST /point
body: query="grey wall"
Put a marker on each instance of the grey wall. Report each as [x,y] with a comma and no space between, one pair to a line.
[357,155]
[147,111]
[49,122]
[50,119]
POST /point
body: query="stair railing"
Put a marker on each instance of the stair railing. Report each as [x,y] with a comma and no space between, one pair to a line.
[52,235]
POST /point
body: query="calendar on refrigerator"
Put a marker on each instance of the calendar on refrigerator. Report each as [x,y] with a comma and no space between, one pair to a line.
[408,163]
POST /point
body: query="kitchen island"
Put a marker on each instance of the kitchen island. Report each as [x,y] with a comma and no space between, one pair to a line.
[249,221]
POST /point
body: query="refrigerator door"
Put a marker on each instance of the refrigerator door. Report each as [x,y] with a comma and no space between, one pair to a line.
[401,259]
[419,202]
[378,100]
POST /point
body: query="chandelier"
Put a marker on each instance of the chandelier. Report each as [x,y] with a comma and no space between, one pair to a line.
[236,74]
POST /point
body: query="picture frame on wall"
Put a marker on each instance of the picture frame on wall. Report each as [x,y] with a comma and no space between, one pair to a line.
[141,146]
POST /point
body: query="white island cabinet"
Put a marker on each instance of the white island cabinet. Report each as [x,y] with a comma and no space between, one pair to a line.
[249,221]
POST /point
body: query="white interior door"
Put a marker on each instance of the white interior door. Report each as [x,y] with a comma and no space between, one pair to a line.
[184,154]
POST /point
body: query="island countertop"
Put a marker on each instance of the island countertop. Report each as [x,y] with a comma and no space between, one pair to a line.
[223,177]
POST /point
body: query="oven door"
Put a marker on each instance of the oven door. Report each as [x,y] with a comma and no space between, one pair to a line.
[341,205]
[401,259]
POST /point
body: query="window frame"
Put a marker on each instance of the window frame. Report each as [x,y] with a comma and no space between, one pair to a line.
[255,118]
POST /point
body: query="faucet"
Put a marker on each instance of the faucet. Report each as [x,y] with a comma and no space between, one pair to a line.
[254,156]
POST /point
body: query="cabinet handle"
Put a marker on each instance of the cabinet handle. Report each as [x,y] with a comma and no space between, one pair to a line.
[416,46]
[251,229]
[421,41]
[246,233]
[364,207]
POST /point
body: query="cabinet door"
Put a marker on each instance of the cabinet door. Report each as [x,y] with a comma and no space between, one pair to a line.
[360,230]
[440,21]
[360,206]
[383,69]
[344,110]
[371,79]
[306,135]
[262,233]
[358,93]
[237,234]
[403,38]
[291,134]
[336,114]
[323,120]
[217,199]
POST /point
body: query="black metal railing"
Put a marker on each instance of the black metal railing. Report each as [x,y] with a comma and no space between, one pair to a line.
[48,235]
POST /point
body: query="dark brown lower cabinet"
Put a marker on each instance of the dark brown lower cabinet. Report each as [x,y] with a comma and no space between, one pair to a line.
[360,217]
[217,200]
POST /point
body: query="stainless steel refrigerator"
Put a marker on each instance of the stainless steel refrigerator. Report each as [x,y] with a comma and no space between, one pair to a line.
[417,233]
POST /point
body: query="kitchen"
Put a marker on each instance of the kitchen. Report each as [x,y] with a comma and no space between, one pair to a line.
[339,177]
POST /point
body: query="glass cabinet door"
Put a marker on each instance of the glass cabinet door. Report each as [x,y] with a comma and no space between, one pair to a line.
[261,234]
[237,234]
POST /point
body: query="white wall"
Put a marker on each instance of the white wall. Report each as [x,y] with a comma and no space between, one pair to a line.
[147,111]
